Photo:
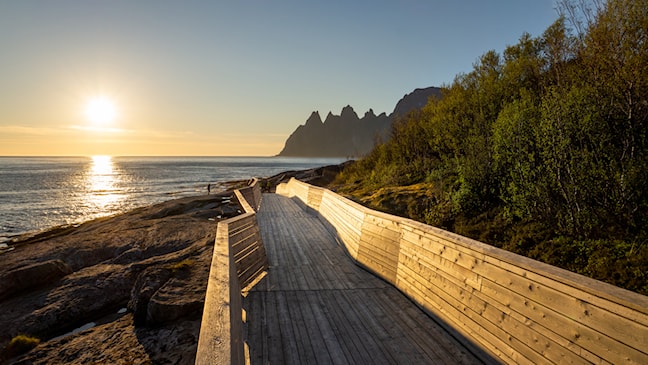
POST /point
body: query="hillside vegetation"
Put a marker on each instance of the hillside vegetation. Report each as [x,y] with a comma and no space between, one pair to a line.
[541,150]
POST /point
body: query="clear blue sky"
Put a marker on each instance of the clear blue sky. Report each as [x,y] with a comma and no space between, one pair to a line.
[228,77]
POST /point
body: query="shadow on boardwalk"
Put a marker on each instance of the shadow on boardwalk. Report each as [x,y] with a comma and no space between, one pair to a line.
[315,306]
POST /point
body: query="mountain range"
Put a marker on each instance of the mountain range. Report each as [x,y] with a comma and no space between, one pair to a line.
[347,135]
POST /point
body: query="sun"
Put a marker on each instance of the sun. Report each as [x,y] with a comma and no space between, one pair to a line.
[100,110]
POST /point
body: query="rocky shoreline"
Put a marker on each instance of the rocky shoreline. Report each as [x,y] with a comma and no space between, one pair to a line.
[126,289]
[138,277]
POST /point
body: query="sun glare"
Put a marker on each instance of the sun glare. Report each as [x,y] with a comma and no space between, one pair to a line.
[101,165]
[102,180]
[100,111]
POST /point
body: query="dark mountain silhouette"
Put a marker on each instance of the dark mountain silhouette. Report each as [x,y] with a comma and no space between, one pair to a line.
[414,100]
[338,136]
[347,135]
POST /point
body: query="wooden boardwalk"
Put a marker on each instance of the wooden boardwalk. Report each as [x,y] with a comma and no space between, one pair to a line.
[315,306]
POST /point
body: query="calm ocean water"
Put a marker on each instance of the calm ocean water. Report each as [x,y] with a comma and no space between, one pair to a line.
[41,192]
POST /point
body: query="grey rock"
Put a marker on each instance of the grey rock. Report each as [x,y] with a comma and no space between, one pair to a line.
[32,276]
[147,284]
[171,302]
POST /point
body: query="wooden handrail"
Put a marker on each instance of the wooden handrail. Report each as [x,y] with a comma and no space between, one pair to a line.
[518,309]
[239,257]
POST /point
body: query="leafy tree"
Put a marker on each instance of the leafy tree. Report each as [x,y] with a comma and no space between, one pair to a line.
[517,157]
[547,140]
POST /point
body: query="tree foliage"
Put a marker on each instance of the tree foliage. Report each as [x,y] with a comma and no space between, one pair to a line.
[551,134]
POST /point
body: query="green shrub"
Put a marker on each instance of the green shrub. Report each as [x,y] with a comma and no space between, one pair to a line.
[541,150]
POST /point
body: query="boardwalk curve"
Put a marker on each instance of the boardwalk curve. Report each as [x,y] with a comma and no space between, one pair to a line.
[312,305]
[315,306]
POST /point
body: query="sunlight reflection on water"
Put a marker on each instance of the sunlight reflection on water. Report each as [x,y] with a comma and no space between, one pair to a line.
[102,181]
[41,192]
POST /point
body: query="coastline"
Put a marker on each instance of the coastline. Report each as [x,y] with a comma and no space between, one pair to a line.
[41,233]
[38,193]
[152,260]
[68,285]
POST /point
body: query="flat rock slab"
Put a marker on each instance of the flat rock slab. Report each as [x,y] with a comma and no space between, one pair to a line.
[153,260]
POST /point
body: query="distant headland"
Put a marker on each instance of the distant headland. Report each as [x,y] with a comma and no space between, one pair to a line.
[347,135]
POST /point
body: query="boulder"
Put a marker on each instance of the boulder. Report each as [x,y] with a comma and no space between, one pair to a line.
[32,276]
[80,298]
[174,301]
[146,285]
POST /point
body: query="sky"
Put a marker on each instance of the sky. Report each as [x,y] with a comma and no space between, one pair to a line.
[227,78]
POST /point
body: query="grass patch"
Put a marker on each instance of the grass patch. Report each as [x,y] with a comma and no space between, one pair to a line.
[19,345]
[181,265]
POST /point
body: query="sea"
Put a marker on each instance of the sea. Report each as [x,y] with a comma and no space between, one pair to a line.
[37,193]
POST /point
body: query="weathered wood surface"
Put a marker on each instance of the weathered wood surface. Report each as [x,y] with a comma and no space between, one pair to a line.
[315,306]
[239,257]
[250,197]
[518,309]
[221,331]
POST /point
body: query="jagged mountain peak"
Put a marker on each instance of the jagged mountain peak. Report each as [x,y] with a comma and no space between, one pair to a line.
[348,112]
[314,119]
[347,135]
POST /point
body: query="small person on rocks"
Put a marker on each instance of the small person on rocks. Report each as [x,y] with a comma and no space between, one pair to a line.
[208,189]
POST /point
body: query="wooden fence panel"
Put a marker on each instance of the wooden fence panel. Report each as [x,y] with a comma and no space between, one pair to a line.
[518,309]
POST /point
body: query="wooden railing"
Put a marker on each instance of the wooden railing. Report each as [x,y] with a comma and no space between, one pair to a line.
[515,308]
[252,195]
[239,257]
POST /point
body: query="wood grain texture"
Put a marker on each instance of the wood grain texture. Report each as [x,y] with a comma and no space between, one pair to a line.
[239,258]
[315,306]
[517,309]
[221,331]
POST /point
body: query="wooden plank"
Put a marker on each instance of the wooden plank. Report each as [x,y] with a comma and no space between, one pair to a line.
[221,330]
[347,225]
[326,320]
[379,248]
[610,306]
[289,333]
[384,271]
[353,346]
[445,349]
[327,329]
[394,335]
[425,248]
[344,348]
[542,324]
[615,300]
[434,298]
[255,329]
[239,222]
[514,326]
[433,264]
[347,228]
[342,205]
[375,240]
[573,309]
[360,327]
[318,331]
[243,240]
[315,197]
[300,328]
[273,330]
[597,344]
[253,253]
